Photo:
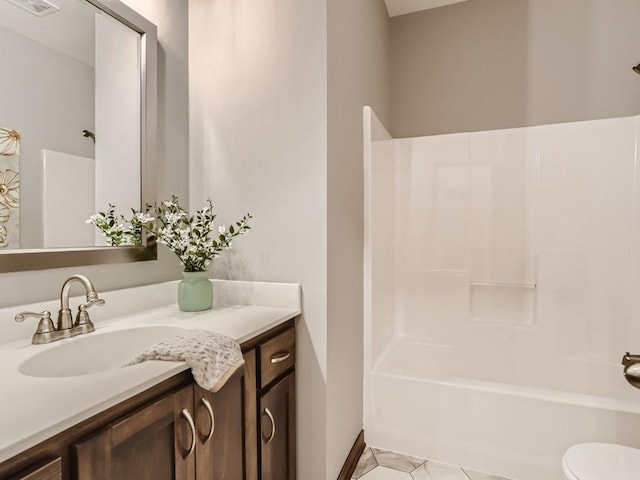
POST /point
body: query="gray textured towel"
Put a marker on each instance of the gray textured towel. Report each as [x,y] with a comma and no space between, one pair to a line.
[212,357]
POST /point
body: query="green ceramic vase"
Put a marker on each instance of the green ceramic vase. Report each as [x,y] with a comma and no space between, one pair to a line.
[195,292]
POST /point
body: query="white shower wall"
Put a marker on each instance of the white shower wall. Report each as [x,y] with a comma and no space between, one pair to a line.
[531,228]
[504,261]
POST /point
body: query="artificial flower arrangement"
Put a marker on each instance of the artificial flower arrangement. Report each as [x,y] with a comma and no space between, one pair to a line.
[193,238]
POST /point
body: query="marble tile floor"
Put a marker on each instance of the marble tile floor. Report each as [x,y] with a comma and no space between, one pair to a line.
[378,464]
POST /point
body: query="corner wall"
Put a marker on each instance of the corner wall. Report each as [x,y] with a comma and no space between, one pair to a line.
[358,75]
[277,91]
[258,143]
[492,64]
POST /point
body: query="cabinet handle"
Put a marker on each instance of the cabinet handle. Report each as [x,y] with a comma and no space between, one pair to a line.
[187,416]
[207,405]
[267,440]
[279,357]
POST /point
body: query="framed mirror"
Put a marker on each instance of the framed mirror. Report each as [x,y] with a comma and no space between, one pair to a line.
[77,129]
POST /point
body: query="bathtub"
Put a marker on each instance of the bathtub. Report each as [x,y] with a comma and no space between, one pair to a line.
[470,408]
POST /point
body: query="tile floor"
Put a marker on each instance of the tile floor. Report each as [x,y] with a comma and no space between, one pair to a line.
[378,464]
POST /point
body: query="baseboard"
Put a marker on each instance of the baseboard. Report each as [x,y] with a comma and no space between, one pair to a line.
[351,462]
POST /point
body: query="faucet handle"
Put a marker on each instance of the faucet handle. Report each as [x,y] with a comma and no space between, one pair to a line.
[83,321]
[94,301]
[45,325]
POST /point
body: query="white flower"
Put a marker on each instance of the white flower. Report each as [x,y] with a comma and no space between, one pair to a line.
[144,217]
[194,240]
[172,218]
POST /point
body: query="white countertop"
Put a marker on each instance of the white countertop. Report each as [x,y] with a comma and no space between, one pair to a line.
[33,409]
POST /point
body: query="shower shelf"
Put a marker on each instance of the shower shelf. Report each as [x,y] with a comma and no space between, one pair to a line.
[531,286]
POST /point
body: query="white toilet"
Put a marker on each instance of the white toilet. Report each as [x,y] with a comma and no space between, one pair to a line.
[601,461]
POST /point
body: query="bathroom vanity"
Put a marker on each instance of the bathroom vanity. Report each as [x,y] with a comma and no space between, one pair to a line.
[169,428]
[67,411]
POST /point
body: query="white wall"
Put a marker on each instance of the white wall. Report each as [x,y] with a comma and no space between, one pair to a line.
[171,19]
[380,238]
[68,199]
[118,127]
[54,105]
[258,143]
[531,230]
[379,259]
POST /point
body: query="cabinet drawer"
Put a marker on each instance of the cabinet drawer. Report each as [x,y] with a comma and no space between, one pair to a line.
[277,356]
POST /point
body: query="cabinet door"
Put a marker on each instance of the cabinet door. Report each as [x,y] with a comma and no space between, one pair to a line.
[51,470]
[278,431]
[220,427]
[154,443]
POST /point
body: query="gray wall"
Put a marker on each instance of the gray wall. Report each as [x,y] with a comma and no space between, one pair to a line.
[171,19]
[48,97]
[489,64]
[359,33]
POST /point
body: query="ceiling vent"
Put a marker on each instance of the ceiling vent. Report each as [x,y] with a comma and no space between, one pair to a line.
[39,8]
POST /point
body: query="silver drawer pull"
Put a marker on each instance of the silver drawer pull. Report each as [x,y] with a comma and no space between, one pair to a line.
[187,416]
[279,357]
[265,439]
[209,408]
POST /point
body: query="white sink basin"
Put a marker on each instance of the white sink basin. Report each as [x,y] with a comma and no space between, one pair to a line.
[94,352]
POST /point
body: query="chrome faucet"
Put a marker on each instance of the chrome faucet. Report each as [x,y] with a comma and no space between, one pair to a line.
[66,327]
[83,322]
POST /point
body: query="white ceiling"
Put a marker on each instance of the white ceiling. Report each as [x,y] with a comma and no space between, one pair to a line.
[402,7]
[69,31]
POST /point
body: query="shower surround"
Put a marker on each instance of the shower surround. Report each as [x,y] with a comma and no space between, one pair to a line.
[502,272]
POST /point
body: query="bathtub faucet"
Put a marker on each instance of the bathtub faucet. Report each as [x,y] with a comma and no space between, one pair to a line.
[632,369]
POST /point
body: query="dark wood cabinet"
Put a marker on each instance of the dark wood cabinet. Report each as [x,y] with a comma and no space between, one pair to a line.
[178,431]
[155,443]
[277,407]
[278,431]
[189,434]
[220,432]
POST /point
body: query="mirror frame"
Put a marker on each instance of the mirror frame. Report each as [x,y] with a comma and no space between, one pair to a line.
[40,259]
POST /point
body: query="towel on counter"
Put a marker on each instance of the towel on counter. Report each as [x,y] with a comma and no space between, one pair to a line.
[212,357]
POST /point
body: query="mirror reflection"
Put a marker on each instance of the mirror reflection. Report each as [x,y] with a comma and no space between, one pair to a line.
[70,122]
